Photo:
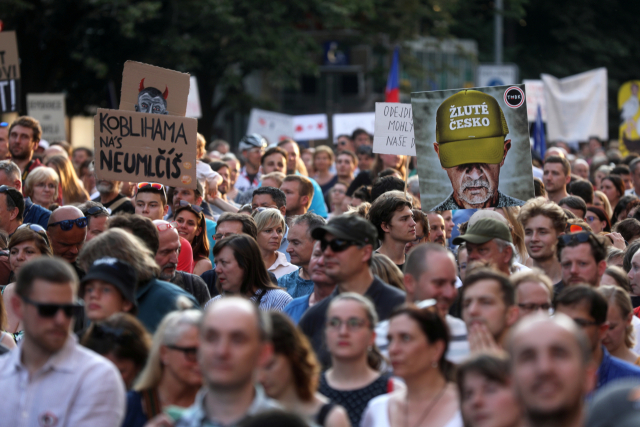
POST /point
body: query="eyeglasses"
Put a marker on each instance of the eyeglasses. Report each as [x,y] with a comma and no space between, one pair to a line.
[576,238]
[535,307]
[583,323]
[38,229]
[67,224]
[190,353]
[336,245]
[95,210]
[49,310]
[353,323]
[166,226]
[219,236]
[194,207]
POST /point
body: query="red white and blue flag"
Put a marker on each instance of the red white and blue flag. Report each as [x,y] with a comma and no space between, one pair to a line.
[392,92]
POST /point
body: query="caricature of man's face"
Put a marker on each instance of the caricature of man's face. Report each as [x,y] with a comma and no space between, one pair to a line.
[149,102]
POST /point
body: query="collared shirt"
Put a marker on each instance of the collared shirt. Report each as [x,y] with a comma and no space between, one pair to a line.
[75,387]
[503,202]
[295,285]
[611,368]
[281,266]
[196,415]
[296,308]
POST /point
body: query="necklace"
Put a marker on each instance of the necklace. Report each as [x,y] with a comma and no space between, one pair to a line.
[427,410]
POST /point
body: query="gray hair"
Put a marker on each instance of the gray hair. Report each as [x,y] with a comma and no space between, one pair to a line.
[413,185]
[310,219]
[10,169]
[503,244]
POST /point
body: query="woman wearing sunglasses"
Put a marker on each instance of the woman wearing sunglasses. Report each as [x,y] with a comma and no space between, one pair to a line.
[192,227]
[241,271]
[28,242]
[271,227]
[171,376]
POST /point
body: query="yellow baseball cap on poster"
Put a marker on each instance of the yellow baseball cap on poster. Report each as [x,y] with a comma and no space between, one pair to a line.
[470,128]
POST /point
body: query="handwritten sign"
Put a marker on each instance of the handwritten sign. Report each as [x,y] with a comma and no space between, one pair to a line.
[49,110]
[136,147]
[9,72]
[394,129]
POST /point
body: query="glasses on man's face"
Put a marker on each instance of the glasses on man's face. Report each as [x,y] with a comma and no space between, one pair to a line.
[575,238]
[336,245]
[68,224]
[535,307]
[47,310]
[190,353]
[353,323]
[220,236]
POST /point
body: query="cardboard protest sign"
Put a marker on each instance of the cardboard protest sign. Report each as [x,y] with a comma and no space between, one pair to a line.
[310,126]
[394,129]
[347,123]
[629,107]
[273,126]
[150,89]
[9,72]
[193,100]
[49,110]
[131,146]
[473,148]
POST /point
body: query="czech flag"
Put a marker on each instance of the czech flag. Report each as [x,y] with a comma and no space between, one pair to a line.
[392,92]
[539,141]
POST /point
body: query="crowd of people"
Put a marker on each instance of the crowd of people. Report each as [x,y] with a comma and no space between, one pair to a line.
[305,286]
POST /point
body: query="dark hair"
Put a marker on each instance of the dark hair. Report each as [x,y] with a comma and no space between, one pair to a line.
[274,150]
[15,200]
[384,208]
[305,187]
[200,244]
[538,188]
[493,366]
[217,165]
[620,169]
[247,255]
[421,218]
[620,276]
[384,184]
[278,196]
[598,248]
[291,343]
[248,223]
[583,189]
[574,295]
[628,255]
[629,229]
[312,220]
[91,204]
[602,216]
[88,151]
[387,172]
[574,202]
[566,166]
[351,154]
[358,132]
[53,270]
[274,417]
[121,335]
[363,193]
[149,189]
[28,122]
[140,226]
[621,206]
[483,273]
[28,235]
[617,183]
[365,150]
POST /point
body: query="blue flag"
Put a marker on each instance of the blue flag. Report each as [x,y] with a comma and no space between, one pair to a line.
[539,143]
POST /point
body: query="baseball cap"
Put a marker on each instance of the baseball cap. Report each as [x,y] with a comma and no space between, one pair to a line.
[484,230]
[115,272]
[348,227]
[470,128]
[617,404]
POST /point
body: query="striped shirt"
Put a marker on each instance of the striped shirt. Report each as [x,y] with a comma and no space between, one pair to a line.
[273,299]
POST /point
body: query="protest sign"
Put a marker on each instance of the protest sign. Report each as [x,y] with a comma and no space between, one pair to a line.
[150,89]
[472,148]
[49,110]
[193,100]
[577,106]
[345,124]
[310,126]
[273,126]
[629,107]
[131,146]
[394,129]
[9,72]
[534,89]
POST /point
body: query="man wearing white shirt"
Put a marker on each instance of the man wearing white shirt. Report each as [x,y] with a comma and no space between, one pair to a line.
[53,380]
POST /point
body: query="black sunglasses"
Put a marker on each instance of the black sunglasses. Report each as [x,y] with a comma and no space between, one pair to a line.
[190,353]
[38,229]
[194,207]
[95,210]
[576,238]
[336,245]
[67,224]
[11,192]
[50,310]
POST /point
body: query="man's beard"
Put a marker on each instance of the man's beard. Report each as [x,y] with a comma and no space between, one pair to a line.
[24,155]
[475,199]
[105,187]
[168,276]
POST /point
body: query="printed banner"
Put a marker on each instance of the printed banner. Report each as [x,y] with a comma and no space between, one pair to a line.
[310,126]
[629,107]
[473,148]
[9,72]
[394,129]
[155,90]
[273,126]
[577,106]
[135,147]
[347,123]
[49,110]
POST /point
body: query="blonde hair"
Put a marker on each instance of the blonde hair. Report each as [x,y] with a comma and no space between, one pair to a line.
[169,331]
[534,275]
[605,203]
[517,230]
[269,218]
[618,296]
[383,267]
[277,176]
[72,189]
[323,149]
[39,175]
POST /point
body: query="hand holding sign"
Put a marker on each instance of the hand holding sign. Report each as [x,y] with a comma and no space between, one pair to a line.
[394,129]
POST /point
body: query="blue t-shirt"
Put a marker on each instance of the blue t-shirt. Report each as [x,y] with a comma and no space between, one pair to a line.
[295,285]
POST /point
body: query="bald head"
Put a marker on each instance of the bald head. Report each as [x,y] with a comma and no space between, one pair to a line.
[67,237]
[63,213]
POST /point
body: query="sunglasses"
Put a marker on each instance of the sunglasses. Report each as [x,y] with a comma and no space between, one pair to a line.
[67,224]
[38,229]
[190,353]
[336,245]
[167,226]
[11,192]
[575,238]
[95,210]
[50,310]
[153,185]
[194,207]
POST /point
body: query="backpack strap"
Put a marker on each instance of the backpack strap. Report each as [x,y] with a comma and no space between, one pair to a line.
[151,402]
[117,204]
[322,414]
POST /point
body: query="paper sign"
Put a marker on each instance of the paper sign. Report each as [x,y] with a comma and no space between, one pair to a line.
[49,110]
[193,101]
[629,108]
[9,72]
[137,147]
[472,148]
[150,89]
[273,126]
[347,123]
[534,89]
[311,126]
[394,129]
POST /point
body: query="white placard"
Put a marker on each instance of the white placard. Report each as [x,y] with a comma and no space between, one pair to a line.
[49,110]
[347,123]
[193,100]
[310,126]
[273,126]
[394,129]
[534,90]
